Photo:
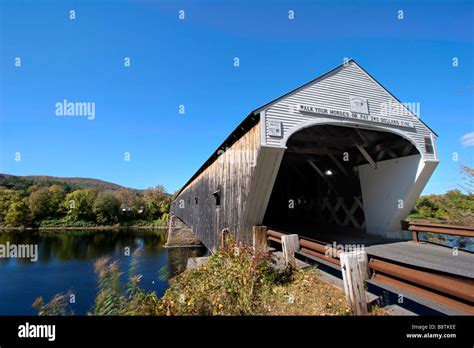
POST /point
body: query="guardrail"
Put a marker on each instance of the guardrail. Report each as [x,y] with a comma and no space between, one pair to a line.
[417,227]
[451,290]
[309,246]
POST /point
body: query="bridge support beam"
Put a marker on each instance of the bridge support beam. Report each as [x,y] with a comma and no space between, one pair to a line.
[179,234]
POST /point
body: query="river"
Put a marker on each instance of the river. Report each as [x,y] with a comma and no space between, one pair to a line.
[65,261]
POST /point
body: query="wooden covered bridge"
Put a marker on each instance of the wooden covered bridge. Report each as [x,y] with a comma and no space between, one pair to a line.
[338,155]
[337,160]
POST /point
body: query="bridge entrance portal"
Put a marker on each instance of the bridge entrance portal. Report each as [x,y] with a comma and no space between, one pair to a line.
[323,187]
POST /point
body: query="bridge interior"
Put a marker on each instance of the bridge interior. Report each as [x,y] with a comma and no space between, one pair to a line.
[317,192]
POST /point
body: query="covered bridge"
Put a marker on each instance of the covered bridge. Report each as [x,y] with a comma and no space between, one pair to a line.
[338,155]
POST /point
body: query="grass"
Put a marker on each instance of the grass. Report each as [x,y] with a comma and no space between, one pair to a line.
[308,294]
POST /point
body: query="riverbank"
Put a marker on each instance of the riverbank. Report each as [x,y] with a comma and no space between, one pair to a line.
[234,281]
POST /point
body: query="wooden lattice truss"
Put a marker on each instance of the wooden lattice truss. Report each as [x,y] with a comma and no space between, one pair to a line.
[333,209]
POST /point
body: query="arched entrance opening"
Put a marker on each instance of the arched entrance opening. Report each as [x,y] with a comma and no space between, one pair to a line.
[318,191]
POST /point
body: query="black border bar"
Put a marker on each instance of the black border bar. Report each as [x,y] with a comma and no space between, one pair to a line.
[259,330]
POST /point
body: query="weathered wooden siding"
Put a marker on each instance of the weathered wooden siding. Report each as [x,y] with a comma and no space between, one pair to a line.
[333,91]
[231,173]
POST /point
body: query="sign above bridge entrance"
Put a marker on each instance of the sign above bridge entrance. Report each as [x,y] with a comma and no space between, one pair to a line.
[354,115]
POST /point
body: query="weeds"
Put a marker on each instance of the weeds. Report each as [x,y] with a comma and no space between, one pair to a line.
[58,305]
[113,298]
[234,281]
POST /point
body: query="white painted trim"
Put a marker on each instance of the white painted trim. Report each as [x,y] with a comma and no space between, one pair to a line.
[273,147]
[263,128]
[435,150]
[266,198]
[348,123]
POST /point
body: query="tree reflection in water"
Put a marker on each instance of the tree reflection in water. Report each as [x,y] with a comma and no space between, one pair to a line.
[67,245]
[66,259]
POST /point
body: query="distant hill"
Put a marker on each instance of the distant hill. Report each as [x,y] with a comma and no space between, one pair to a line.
[23,182]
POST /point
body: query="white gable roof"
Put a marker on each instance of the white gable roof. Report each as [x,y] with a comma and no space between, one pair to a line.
[329,99]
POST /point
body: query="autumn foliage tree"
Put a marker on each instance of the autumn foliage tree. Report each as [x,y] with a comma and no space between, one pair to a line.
[40,205]
[106,208]
[79,204]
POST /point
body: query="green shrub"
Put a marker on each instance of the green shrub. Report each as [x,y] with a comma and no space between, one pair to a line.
[53,222]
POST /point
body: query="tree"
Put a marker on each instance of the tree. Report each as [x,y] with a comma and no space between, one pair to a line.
[106,208]
[155,199]
[7,197]
[39,203]
[57,195]
[165,206]
[18,213]
[128,198]
[131,204]
[460,207]
[467,175]
[79,204]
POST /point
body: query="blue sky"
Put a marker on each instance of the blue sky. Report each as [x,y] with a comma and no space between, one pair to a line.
[190,62]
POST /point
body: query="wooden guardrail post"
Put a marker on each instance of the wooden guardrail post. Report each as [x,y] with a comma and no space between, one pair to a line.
[289,244]
[354,273]
[259,238]
[224,234]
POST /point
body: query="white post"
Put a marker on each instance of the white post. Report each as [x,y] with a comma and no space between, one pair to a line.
[354,273]
[290,244]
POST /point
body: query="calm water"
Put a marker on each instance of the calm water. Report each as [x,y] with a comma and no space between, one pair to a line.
[462,243]
[66,262]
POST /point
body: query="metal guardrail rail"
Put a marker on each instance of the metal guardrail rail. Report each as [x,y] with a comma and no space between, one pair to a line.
[309,246]
[418,227]
[451,290]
